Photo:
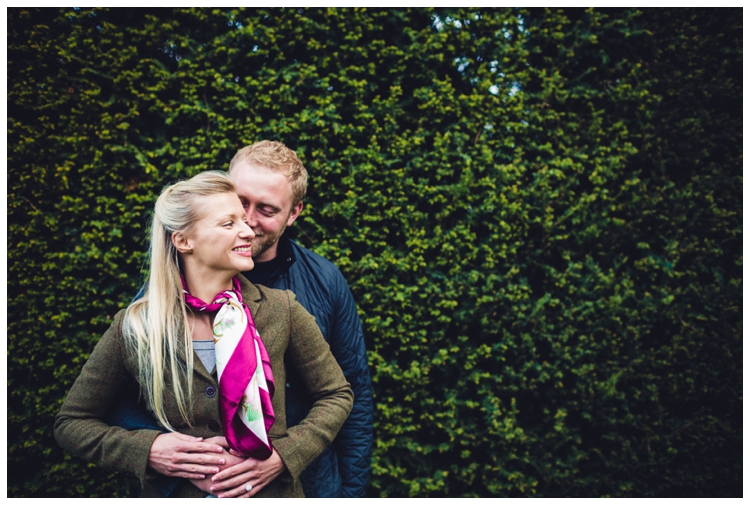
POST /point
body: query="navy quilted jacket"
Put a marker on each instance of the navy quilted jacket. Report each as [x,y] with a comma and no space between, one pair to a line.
[342,470]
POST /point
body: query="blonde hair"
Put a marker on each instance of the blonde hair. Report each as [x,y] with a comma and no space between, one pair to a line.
[279,158]
[156,326]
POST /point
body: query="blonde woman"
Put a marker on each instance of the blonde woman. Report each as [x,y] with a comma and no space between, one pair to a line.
[232,391]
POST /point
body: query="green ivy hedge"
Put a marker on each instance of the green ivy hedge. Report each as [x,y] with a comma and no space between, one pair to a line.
[539,213]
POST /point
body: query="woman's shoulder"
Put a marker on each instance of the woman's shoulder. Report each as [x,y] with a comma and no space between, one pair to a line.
[111,345]
[115,328]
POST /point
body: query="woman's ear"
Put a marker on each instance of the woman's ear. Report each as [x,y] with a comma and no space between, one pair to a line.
[181,243]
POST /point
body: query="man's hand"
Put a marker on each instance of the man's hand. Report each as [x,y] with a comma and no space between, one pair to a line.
[178,455]
[231,482]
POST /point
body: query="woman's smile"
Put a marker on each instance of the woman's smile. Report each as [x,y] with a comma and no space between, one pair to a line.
[244,250]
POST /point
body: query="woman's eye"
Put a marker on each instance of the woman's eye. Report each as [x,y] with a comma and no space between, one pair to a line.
[227,225]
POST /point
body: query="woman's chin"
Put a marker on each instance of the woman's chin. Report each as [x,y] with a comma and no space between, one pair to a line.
[250,264]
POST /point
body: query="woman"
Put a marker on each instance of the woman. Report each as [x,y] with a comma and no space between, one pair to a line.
[200,243]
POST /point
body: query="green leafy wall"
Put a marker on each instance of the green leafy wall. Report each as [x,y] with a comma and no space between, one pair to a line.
[539,213]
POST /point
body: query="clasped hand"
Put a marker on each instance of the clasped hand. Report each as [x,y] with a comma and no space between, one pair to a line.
[224,473]
[178,455]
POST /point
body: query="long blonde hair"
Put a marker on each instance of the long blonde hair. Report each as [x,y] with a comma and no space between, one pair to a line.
[156,326]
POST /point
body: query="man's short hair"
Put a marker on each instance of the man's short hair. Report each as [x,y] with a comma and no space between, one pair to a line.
[279,158]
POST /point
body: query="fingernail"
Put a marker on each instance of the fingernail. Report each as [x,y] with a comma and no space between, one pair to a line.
[221,461]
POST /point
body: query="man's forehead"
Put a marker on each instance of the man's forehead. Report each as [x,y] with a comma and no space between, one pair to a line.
[245,168]
[252,178]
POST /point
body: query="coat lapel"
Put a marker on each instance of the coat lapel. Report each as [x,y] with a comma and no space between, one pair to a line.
[250,295]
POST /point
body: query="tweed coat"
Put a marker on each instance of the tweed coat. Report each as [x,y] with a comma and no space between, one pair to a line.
[292,339]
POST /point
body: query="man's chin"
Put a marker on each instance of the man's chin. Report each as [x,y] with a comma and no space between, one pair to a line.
[257,252]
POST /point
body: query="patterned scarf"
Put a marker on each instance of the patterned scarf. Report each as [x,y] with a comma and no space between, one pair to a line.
[244,370]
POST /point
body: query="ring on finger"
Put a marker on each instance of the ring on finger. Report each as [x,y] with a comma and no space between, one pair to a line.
[248,487]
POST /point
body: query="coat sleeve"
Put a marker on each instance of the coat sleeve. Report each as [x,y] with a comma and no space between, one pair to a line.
[79,426]
[354,441]
[311,357]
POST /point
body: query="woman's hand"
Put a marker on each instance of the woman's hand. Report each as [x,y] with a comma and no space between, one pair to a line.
[232,482]
[178,455]
[231,460]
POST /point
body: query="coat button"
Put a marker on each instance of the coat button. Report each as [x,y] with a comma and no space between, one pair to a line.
[210,391]
[213,425]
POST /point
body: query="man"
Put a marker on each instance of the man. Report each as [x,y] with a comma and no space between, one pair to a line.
[271,182]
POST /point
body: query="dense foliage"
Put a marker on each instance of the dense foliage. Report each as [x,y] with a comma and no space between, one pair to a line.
[539,213]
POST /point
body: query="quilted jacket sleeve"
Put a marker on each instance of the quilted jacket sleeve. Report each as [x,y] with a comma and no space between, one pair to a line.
[354,441]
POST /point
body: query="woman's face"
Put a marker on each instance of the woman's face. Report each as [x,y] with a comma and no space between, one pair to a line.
[220,240]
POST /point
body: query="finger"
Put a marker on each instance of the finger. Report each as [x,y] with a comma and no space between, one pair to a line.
[247,468]
[234,483]
[198,447]
[224,481]
[186,475]
[198,458]
[238,492]
[194,470]
[187,438]
[222,441]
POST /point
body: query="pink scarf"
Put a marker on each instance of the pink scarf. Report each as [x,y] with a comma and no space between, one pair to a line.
[244,369]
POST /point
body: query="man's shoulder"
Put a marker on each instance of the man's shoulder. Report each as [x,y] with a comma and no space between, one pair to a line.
[305,258]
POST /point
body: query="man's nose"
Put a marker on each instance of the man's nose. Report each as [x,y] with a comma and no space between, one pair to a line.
[252,217]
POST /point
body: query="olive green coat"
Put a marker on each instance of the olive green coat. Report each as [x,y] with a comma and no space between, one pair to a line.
[291,337]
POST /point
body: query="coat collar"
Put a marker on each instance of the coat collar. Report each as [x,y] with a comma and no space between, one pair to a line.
[250,294]
[267,273]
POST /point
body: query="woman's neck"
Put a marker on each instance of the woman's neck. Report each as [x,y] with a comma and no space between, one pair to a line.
[206,285]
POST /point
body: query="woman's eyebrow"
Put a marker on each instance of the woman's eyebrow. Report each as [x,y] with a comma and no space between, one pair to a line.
[227,217]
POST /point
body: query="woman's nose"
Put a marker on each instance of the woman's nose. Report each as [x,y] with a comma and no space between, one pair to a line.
[247,231]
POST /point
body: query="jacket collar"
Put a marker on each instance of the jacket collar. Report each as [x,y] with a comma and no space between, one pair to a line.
[285,252]
[285,258]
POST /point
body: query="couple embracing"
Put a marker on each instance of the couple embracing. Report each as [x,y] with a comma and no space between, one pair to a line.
[212,383]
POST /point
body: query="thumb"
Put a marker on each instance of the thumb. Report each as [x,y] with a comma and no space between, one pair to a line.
[219,441]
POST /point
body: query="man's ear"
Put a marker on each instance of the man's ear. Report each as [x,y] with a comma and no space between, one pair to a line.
[181,243]
[294,213]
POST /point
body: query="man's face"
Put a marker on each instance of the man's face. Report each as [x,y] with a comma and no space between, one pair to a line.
[267,198]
